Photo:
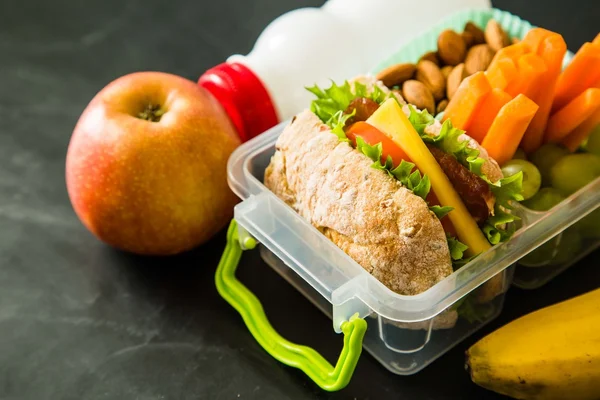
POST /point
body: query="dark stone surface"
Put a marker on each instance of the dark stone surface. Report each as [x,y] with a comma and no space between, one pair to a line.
[81,321]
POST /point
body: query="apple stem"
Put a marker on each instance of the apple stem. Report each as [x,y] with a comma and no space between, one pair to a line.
[152,112]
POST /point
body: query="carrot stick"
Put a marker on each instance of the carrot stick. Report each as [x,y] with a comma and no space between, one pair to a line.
[579,75]
[574,139]
[597,40]
[486,113]
[552,51]
[535,38]
[512,52]
[503,68]
[467,99]
[508,128]
[572,115]
[529,81]
[501,72]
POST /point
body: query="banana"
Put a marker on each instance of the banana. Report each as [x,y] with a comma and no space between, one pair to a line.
[552,353]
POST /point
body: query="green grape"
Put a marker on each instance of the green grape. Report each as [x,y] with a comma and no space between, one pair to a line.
[593,141]
[520,154]
[574,171]
[589,226]
[545,157]
[531,176]
[544,199]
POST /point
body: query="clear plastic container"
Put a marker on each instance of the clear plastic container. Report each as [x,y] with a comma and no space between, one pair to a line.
[404,333]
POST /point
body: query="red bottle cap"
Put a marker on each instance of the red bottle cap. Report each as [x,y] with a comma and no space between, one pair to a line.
[243,96]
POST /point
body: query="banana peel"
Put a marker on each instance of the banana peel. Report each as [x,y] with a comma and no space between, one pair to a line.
[552,353]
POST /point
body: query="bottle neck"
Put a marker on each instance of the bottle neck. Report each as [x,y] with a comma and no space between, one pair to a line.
[243,96]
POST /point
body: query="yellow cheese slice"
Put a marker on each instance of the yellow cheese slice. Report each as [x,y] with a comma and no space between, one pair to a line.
[390,120]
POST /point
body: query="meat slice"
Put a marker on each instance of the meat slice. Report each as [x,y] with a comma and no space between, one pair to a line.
[473,190]
[364,109]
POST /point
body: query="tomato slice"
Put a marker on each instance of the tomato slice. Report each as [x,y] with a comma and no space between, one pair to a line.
[373,136]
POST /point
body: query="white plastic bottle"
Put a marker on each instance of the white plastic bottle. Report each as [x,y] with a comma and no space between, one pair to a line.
[337,41]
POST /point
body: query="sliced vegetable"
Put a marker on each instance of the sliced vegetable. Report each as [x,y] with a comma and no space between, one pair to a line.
[509,126]
[572,115]
[501,72]
[597,40]
[534,39]
[512,52]
[531,73]
[552,50]
[373,136]
[574,139]
[581,73]
[486,113]
[467,99]
[390,119]
[504,66]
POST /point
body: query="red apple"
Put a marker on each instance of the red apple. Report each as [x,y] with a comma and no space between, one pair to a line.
[146,164]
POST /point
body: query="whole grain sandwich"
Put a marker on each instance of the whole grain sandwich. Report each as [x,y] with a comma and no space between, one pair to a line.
[409,198]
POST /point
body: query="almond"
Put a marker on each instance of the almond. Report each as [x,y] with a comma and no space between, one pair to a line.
[454,80]
[495,36]
[476,32]
[395,75]
[451,47]
[478,58]
[441,106]
[431,76]
[446,70]
[431,56]
[416,93]
[468,38]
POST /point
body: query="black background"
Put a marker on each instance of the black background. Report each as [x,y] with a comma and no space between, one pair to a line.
[79,320]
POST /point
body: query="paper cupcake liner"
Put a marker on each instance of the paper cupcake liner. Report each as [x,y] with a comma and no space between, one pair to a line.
[427,41]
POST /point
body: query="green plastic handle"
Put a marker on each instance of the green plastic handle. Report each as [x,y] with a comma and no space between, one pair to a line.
[302,357]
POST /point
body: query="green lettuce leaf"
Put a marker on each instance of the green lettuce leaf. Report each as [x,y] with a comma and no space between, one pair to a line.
[419,120]
[373,152]
[337,98]
[441,211]
[501,226]
[412,180]
[337,122]
[457,248]
[448,141]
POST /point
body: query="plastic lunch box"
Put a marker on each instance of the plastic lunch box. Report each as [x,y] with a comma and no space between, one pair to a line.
[401,332]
